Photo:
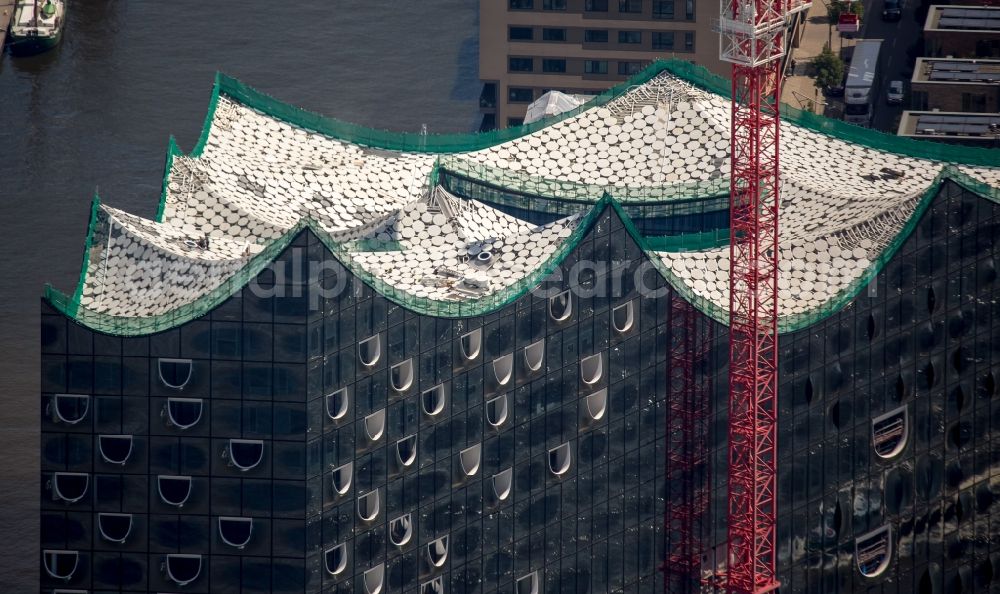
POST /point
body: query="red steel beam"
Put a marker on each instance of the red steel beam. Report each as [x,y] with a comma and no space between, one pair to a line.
[753,316]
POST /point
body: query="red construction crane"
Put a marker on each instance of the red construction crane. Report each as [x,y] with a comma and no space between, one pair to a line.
[752,40]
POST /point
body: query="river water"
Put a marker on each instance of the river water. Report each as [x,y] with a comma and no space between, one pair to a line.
[96,114]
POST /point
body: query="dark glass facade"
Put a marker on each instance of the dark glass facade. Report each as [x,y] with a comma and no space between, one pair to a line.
[310,436]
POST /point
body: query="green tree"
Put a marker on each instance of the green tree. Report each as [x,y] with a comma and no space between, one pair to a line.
[835,8]
[829,68]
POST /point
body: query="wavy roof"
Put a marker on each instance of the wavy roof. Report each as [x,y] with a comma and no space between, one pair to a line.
[263,170]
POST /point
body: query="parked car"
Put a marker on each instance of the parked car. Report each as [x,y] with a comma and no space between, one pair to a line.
[894,94]
[892,10]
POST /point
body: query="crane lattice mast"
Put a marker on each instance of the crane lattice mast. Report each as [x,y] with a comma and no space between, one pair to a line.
[752,34]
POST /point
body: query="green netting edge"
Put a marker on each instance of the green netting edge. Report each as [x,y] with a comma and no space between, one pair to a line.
[911,147]
[125,326]
[95,205]
[172,151]
[689,242]
[847,294]
[483,305]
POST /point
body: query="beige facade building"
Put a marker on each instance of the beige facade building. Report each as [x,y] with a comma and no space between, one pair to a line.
[528,47]
[956,84]
[962,31]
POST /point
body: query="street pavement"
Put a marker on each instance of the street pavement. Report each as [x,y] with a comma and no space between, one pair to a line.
[894,62]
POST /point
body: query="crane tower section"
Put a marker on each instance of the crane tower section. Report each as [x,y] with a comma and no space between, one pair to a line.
[752,34]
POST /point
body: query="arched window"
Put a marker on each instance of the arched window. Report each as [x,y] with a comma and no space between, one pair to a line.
[592,369]
[401,376]
[115,449]
[560,459]
[235,532]
[401,530]
[368,506]
[174,373]
[370,350]
[437,551]
[336,404]
[470,458]
[528,584]
[335,559]
[69,409]
[70,486]
[597,404]
[432,401]
[174,490]
[406,451]
[184,413]
[375,425]
[245,454]
[471,343]
[496,411]
[889,433]
[561,306]
[623,317]
[503,481]
[183,569]
[60,564]
[873,551]
[342,477]
[534,355]
[374,579]
[114,527]
[503,369]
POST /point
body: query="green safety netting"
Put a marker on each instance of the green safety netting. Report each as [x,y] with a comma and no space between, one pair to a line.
[574,195]
[486,304]
[579,192]
[459,142]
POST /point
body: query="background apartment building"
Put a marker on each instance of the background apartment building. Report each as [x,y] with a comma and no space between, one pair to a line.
[528,47]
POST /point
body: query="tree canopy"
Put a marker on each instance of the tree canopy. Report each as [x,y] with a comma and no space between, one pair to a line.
[829,68]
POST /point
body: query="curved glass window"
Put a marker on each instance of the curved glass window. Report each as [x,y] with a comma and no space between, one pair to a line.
[503,369]
[245,454]
[69,409]
[375,425]
[337,403]
[374,579]
[873,551]
[470,458]
[435,586]
[503,481]
[115,449]
[471,344]
[432,401]
[401,530]
[437,551]
[591,369]
[623,317]
[597,404]
[534,355]
[184,413]
[60,564]
[341,478]
[401,376]
[528,584]
[174,373]
[335,559]
[370,350]
[70,486]
[235,532]
[406,451]
[561,306]
[889,433]
[183,569]
[174,490]
[560,459]
[114,527]
[368,506]
[496,410]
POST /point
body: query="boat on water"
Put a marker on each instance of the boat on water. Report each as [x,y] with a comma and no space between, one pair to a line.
[37,26]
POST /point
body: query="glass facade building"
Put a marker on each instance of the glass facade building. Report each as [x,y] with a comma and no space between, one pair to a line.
[355,409]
